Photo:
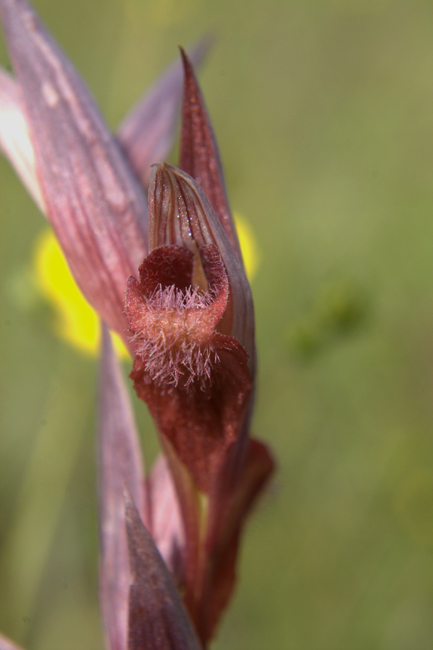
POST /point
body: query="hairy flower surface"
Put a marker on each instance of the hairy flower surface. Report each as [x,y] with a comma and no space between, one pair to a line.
[76,322]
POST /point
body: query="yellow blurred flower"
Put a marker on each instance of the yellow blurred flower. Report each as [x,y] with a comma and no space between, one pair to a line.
[76,321]
[248,242]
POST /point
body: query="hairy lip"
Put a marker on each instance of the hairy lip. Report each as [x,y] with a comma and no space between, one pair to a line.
[174,322]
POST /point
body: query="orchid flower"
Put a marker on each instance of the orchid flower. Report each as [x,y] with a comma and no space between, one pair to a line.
[168,277]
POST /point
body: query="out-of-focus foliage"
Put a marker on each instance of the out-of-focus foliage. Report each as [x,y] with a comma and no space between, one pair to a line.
[324,115]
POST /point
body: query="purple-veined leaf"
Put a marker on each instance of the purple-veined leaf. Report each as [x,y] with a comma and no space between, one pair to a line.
[157,617]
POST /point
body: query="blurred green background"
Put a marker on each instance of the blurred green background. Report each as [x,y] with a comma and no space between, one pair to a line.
[324,115]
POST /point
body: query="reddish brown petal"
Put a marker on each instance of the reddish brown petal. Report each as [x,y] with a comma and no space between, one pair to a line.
[195,381]
[157,618]
[120,465]
[147,133]
[201,420]
[227,515]
[92,198]
[199,155]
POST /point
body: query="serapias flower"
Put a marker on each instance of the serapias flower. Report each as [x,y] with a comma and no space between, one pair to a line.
[75,321]
[192,317]
[189,368]
[187,319]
